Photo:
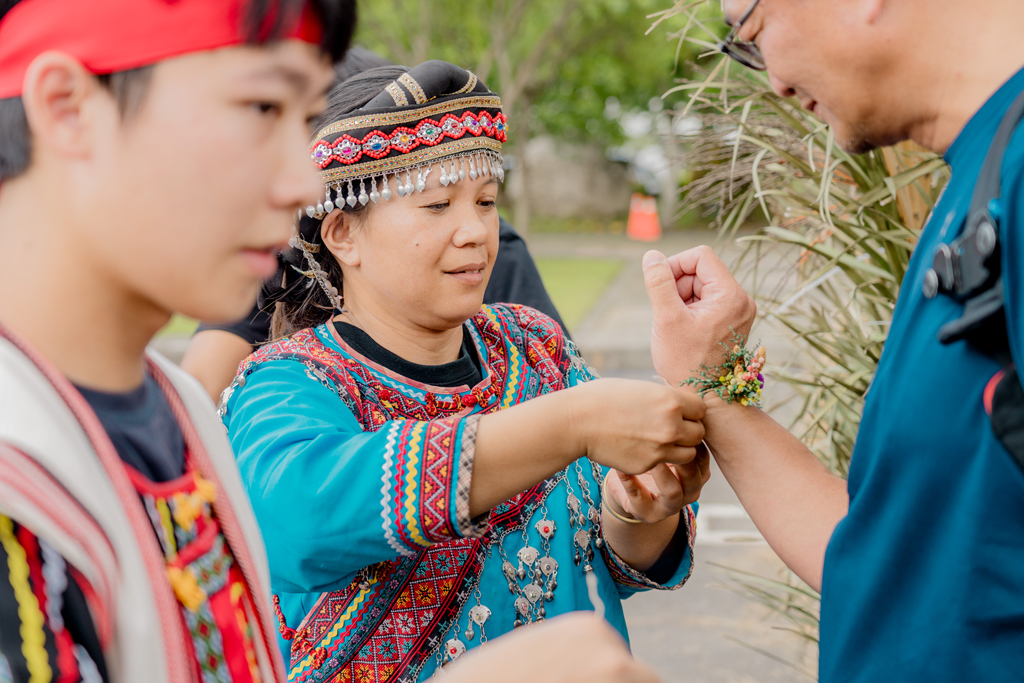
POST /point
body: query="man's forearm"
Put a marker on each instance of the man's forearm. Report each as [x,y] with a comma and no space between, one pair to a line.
[792,498]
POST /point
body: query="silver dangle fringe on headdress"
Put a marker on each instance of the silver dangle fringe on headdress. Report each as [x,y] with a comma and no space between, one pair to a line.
[437,113]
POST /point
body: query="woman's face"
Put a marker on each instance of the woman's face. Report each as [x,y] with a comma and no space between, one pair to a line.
[421,260]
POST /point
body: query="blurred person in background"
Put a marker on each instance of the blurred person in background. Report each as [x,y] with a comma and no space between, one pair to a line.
[918,556]
[216,350]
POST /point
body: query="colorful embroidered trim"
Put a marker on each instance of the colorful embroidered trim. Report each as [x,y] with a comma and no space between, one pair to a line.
[470,84]
[33,637]
[412,86]
[398,118]
[397,95]
[377,145]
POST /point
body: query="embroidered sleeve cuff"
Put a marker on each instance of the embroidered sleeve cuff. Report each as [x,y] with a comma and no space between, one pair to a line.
[631,580]
[427,474]
[467,527]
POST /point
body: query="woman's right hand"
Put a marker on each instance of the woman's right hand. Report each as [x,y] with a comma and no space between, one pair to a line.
[631,426]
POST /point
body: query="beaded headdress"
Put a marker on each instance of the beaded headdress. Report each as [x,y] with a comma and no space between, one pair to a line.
[435,117]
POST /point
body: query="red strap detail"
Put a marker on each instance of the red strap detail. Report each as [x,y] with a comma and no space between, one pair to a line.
[286,633]
[115,35]
[990,390]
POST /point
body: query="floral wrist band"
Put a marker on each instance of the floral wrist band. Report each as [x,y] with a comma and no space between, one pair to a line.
[737,379]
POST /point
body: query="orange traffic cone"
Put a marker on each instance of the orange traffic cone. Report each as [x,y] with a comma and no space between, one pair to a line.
[644,224]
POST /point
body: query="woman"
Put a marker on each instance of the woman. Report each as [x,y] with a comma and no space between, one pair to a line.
[416,461]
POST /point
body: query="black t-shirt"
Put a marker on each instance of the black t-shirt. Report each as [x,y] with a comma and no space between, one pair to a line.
[143,428]
[514,280]
[466,371]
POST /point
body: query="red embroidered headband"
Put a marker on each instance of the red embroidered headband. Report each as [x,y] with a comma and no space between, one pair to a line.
[107,36]
[437,114]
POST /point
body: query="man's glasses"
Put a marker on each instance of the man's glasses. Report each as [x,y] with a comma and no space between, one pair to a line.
[745,52]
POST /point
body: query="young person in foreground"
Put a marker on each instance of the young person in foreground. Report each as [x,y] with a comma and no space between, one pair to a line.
[918,558]
[425,471]
[128,550]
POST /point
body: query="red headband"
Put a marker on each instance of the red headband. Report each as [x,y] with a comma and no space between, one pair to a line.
[107,36]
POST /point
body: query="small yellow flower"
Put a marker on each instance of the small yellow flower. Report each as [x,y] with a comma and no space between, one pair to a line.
[744,401]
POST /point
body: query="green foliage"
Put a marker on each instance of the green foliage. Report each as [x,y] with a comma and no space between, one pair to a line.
[556,62]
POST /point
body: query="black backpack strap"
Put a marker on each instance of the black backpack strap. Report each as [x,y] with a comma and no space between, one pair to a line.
[969,270]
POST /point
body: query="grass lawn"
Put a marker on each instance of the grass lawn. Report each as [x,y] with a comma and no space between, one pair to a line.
[575,284]
[179,326]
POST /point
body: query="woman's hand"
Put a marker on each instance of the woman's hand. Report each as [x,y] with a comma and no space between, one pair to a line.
[633,426]
[627,425]
[660,493]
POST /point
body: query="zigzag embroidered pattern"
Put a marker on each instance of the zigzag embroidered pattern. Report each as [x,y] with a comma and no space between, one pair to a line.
[388,632]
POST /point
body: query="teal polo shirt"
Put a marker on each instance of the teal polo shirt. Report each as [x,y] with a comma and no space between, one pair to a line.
[924,578]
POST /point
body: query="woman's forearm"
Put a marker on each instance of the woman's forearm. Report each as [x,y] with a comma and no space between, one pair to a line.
[522,445]
[639,545]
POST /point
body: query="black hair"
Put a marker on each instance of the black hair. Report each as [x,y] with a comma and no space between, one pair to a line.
[265,21]
[299,301]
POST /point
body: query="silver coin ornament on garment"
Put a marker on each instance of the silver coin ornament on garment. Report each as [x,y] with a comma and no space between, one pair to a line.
[454,648]
[480,614]
[545,528]
[528,555]
[522,606]
[548,565]
[533,592]
[582,538]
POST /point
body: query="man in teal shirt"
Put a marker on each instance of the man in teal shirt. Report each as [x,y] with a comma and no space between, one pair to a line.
[920,556]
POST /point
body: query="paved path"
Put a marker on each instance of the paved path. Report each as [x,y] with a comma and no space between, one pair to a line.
[689,635]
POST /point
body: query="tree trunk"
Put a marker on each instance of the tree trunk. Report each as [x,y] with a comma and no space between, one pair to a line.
[520,193]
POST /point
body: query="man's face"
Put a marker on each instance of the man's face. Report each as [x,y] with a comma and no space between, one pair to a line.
[192,195]
[833,59]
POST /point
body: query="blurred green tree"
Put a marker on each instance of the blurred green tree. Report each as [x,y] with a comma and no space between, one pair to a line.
[555,63]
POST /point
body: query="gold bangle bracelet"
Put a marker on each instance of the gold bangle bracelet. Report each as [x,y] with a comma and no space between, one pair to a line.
[604,501]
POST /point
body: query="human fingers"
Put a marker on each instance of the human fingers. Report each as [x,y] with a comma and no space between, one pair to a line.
[704,265]
[666,481]
[691,404]
[693,476]
[653,498]
[661,287]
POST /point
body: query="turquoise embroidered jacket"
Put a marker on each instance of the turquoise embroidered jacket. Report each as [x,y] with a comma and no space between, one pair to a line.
[360,482]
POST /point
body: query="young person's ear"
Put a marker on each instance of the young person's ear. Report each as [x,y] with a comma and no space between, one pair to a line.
[336,232]
[57,95]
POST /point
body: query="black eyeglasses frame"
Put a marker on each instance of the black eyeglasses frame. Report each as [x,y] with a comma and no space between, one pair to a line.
[745,52]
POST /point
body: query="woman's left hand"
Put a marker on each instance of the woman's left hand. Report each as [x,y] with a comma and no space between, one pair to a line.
[662,492]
